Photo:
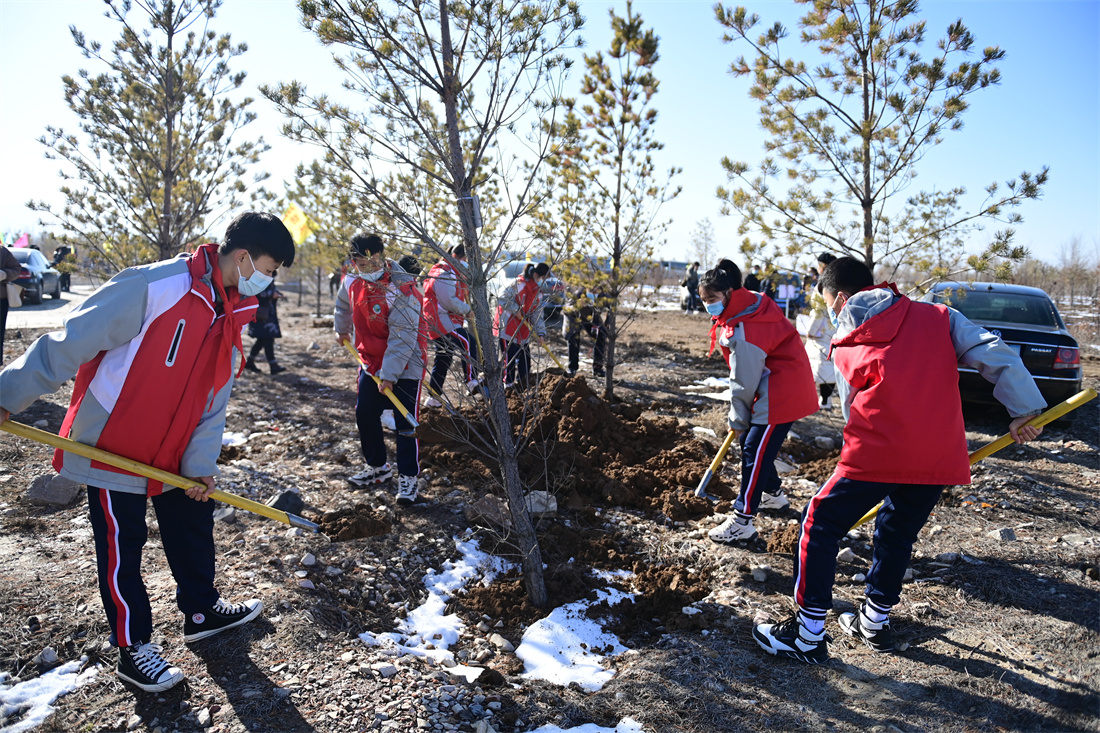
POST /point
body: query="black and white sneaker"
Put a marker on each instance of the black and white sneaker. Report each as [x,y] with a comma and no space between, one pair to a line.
[142,666]
[878,636]
[737,534]
[407,492]
[373,474]
[793,640]
[219,618]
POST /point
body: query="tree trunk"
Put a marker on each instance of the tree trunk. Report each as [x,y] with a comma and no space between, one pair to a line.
[866,201]
[498,405]
[166,219]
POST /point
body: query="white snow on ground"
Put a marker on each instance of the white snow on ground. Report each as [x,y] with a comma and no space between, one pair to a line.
[427,625]
[722,383]
[626,725]
[234,438]
[34,697]
[559,648]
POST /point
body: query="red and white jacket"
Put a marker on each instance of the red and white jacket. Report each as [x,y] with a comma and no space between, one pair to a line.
[897,375]
[385,315]
[155,352]
[770,378]
[445,295]
[520,307]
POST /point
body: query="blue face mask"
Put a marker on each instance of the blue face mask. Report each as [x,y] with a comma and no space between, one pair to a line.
[715,308]
[255,284]
[833,318]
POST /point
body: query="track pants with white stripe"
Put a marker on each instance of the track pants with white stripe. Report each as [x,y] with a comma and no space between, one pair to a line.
[458,342]
[760,445]
[368,417]
[187,535]
[830,514]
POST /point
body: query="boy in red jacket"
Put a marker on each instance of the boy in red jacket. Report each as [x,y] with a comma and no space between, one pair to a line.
[904,440]
[771,386]
[155,352]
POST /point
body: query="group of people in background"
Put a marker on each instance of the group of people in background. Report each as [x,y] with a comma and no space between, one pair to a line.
[156,350]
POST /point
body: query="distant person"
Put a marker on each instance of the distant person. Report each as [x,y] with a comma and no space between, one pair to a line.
[155,352]
[519,313]
[691,282]
[9,268]
[265,329]
[582,316]
[770,387]
[446,306]
[378,311]
[819,333]
[61,263]
[904,440]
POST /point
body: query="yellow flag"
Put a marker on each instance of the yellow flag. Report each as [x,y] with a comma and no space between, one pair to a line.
[297,223]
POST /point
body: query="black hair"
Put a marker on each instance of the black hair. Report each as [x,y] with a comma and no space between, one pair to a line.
[846,275]
[365,245]
[409,264]
[541,269]
[826,258]
[726,276]
[259,234]
[458,251]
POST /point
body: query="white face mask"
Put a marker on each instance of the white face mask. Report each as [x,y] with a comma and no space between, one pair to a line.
[255,283]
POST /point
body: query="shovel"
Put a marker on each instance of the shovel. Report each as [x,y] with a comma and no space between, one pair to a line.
[701,490]
[157,474]
[389,392]
[542,343]
[1006,440]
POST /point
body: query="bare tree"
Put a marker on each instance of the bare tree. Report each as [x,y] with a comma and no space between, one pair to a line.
[480,68]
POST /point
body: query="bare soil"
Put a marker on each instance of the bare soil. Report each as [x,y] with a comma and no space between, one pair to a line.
[1000,635]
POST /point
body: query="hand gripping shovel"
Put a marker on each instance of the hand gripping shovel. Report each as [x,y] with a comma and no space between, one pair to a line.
[1006,440]
[389,392]
[157,474]
[716,464]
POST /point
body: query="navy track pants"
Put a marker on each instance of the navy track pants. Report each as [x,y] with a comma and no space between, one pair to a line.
[187,534]
[760,445]
[839,504]
[368,417]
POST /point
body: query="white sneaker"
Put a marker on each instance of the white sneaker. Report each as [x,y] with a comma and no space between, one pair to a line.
[509,386]
[406,489]
[730,532]
[474,388]
[372,475]
[432,402]
[773,501]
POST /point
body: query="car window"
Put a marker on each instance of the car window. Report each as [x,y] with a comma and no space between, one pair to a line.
[513,269]
[23,255]
[982,306]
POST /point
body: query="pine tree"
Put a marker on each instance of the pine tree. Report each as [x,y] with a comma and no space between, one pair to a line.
[848,133]
[159,157]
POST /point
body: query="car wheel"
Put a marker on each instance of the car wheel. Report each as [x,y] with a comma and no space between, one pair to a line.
[56,289]
[33,297]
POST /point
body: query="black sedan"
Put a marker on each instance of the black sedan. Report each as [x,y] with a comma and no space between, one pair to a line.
[1027,320]
[36,276]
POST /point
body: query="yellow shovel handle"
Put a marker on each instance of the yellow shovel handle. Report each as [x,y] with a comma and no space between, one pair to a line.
[541,342]
[1006,440]
[701,490]
[389,392]
[151,472]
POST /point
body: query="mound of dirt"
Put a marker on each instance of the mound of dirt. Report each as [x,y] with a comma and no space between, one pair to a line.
[587,451]
[354,523]
[820,470]
[661,594]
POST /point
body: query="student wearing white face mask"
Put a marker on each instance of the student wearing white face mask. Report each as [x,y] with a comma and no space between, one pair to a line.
[378,310]
[771,386]
[518,314]
[155,352]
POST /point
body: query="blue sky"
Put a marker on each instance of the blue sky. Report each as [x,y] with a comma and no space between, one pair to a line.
[1045,111]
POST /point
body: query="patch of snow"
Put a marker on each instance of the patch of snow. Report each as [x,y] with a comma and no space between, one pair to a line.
[388,421]
[559,648]
[33,697]
[626,725]
[232,439]
[704,431]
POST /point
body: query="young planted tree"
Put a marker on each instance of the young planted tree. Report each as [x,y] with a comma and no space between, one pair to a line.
[848,133]
[626,191]
[401,60]
[159,157]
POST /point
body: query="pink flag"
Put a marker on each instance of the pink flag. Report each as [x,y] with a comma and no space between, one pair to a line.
[23,241]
